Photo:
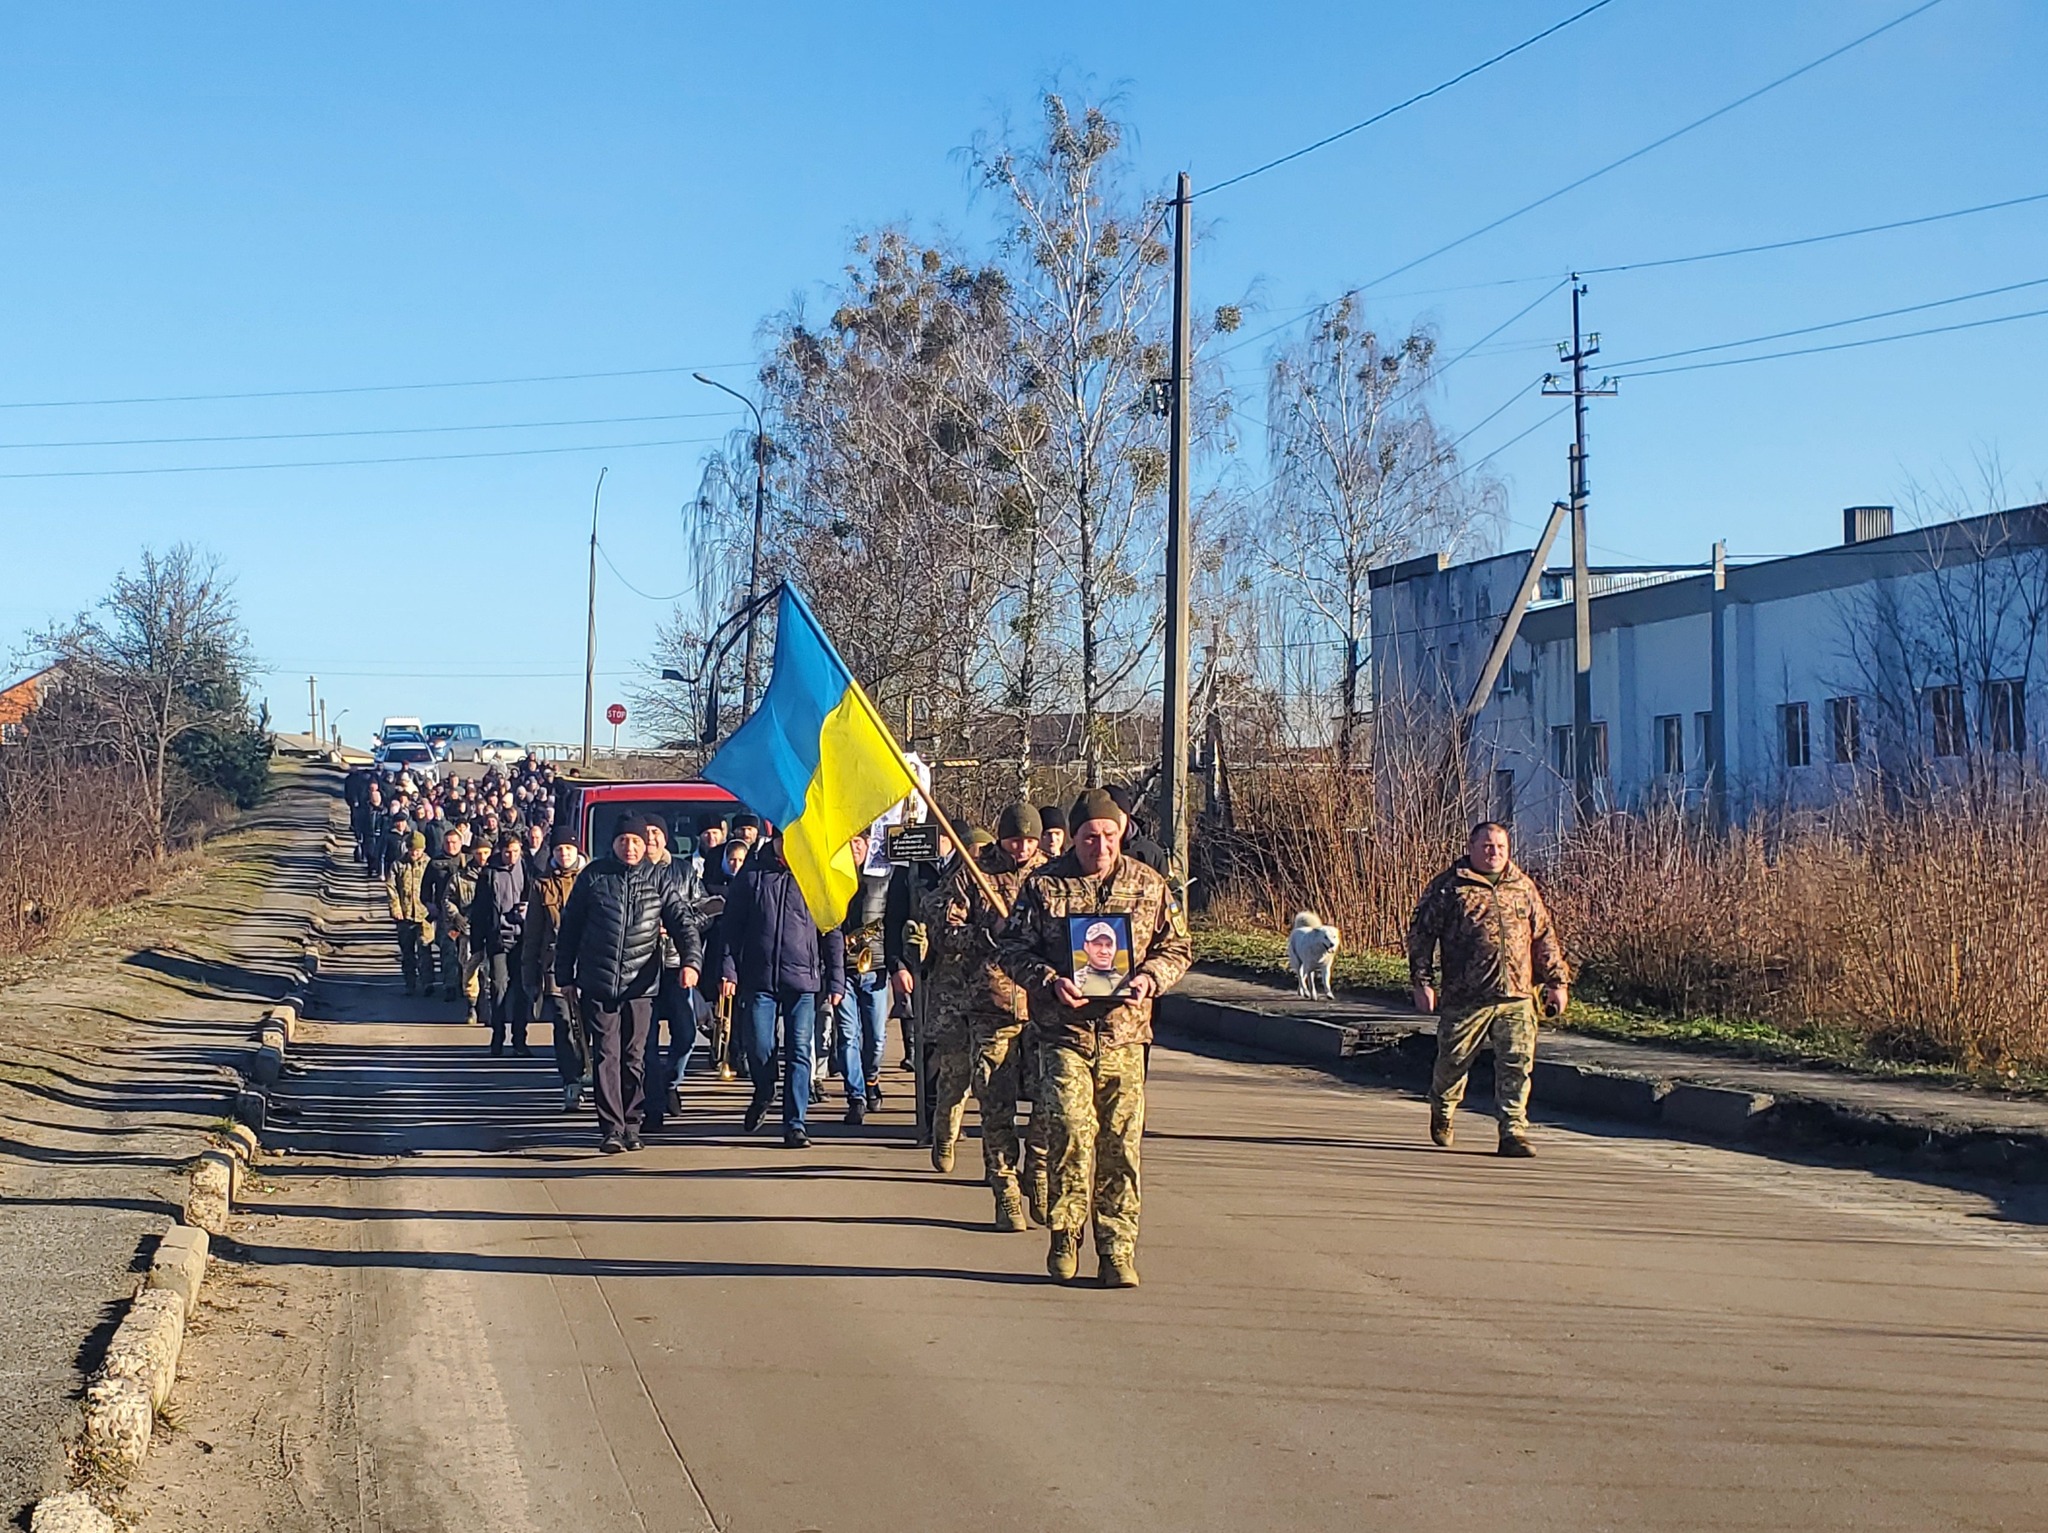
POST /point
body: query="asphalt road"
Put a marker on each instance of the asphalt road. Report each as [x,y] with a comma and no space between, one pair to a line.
[1340,1327]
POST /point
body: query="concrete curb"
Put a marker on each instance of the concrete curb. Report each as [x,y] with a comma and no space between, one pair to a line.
[131,1385]
[1785,1120]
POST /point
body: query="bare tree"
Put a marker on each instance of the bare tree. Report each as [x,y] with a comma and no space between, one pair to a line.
[162,657]
[1362,477]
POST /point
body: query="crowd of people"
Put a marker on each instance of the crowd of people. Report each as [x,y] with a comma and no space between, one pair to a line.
[496,909]
[1025,963]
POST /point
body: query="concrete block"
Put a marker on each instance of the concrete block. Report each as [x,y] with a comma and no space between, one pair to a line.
[179,1264]
[241,1142]
[1303,1038]
[212,1192]
[253,1108]
[1720,1112]
[72,1512]
[1603,1093]
[147,1342]
[284,1016]
[1555,1085]
[119,1418]
[267,1063]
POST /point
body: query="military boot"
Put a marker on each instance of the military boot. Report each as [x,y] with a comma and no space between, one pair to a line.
[1063,1258]
[1041,1198]
[1009,1208]
[1119,1269]
[1439,1127]
[942,1155]
[1514,1143]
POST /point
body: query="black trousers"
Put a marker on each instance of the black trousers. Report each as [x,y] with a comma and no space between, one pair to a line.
[501,998]
[618,1059]
[415,956]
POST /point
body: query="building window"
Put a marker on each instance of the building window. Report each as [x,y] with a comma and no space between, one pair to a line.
[1504,795]
[1561,749]
[1703,739]
[2005,707]
[1845,725]
[1792,731]
[1947,721]
[1671,744]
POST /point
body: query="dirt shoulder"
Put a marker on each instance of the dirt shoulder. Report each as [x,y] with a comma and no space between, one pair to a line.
[118,1047]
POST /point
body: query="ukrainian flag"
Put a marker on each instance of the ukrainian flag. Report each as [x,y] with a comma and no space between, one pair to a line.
[814,758]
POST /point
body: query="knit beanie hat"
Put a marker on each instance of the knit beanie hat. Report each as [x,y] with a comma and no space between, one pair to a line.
[1019,820]
[1051,817]
[1095,804]
[416,841]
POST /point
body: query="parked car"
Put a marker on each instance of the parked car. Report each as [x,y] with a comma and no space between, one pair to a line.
[415,756]
[498,752]
[594,809]
[399,724]
[455,742]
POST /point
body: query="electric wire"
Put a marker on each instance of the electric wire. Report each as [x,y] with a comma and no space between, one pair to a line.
[1659,143]
[305,436]
[606,555]
[432,457]
[1810,351]
[362,388]
[1402,106]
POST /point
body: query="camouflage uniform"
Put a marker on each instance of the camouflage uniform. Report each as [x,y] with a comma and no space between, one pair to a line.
[1091,1083]
[1497,946]
[996,1015]
[413,919]
[960,930]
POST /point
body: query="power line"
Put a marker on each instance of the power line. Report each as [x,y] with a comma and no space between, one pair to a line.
[1811,239]
[606,553]
[363,388]
[1809,351]
[432,457]
[1837,324]
[302,436]
[1402,106]
[1675,134]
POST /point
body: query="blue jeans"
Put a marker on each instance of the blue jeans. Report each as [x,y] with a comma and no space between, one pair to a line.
[664,1068]
[798,1011]
[863,1031]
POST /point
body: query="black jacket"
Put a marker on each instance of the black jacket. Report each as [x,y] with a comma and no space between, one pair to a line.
[609,946]
[499,908]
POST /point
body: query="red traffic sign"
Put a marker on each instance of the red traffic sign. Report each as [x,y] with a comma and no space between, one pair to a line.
[615,715]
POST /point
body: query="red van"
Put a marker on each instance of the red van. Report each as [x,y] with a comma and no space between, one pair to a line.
[594,808]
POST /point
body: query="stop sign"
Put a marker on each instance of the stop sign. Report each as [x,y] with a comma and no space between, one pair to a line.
[615,715]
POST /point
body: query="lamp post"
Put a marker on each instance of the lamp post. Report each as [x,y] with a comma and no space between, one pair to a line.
[590,628]
[760,510]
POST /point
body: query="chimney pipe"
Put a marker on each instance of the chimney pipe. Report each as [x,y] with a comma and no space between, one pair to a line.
[1860,524]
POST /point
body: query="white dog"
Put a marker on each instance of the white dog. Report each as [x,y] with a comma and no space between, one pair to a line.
[1311,951]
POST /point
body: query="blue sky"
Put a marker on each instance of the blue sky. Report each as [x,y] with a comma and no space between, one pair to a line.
[241,199]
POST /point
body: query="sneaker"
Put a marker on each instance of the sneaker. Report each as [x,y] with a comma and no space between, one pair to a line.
[612,1144]
[942,1155]
[1514,1144]
[572,1096]
[874,1098]
[794,1138]
[856,1112]
[1119,1269]
[756,1111]
[1439,1128]
[1063,1257]
[1009,1209]
[634,1141]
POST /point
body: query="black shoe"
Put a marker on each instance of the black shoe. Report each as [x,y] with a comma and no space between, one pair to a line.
[497,1048]
[634,1141]
[874,1098]
[522,1051]
[795,1139]
[612,1144]
[817,1094]
[675,1100]
[756,1111]
[856,1112]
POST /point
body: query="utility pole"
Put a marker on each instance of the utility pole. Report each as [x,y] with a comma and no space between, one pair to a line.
[313,706]
[754,561]
[590,632]
[322,737]
[1583,348]
[1173,791]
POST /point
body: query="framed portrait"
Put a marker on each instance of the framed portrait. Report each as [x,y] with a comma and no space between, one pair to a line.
[1102,953]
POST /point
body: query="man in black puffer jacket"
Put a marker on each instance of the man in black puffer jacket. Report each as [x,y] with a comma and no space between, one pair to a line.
[608,964]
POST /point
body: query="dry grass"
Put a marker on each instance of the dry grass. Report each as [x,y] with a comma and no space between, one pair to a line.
[1915,930]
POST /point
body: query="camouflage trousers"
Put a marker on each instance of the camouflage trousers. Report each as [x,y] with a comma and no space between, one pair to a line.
[998,1056]
[1095,1119]
[1511,1027]
[948,1059]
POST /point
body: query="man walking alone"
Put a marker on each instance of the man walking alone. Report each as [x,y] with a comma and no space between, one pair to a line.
[1486,918]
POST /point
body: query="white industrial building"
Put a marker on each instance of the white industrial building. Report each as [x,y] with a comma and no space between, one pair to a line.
[1777,682]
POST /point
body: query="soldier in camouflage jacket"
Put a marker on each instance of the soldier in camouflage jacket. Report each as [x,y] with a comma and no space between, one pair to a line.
[1486,918]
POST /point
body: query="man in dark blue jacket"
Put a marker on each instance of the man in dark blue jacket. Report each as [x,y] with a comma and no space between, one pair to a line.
[777,963]
[496,915]
[608,965]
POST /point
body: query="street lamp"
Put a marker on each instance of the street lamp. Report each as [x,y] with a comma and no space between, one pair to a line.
[760,508]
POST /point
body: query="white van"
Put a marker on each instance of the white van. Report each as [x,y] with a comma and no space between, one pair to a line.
[400,726]
[455,742]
